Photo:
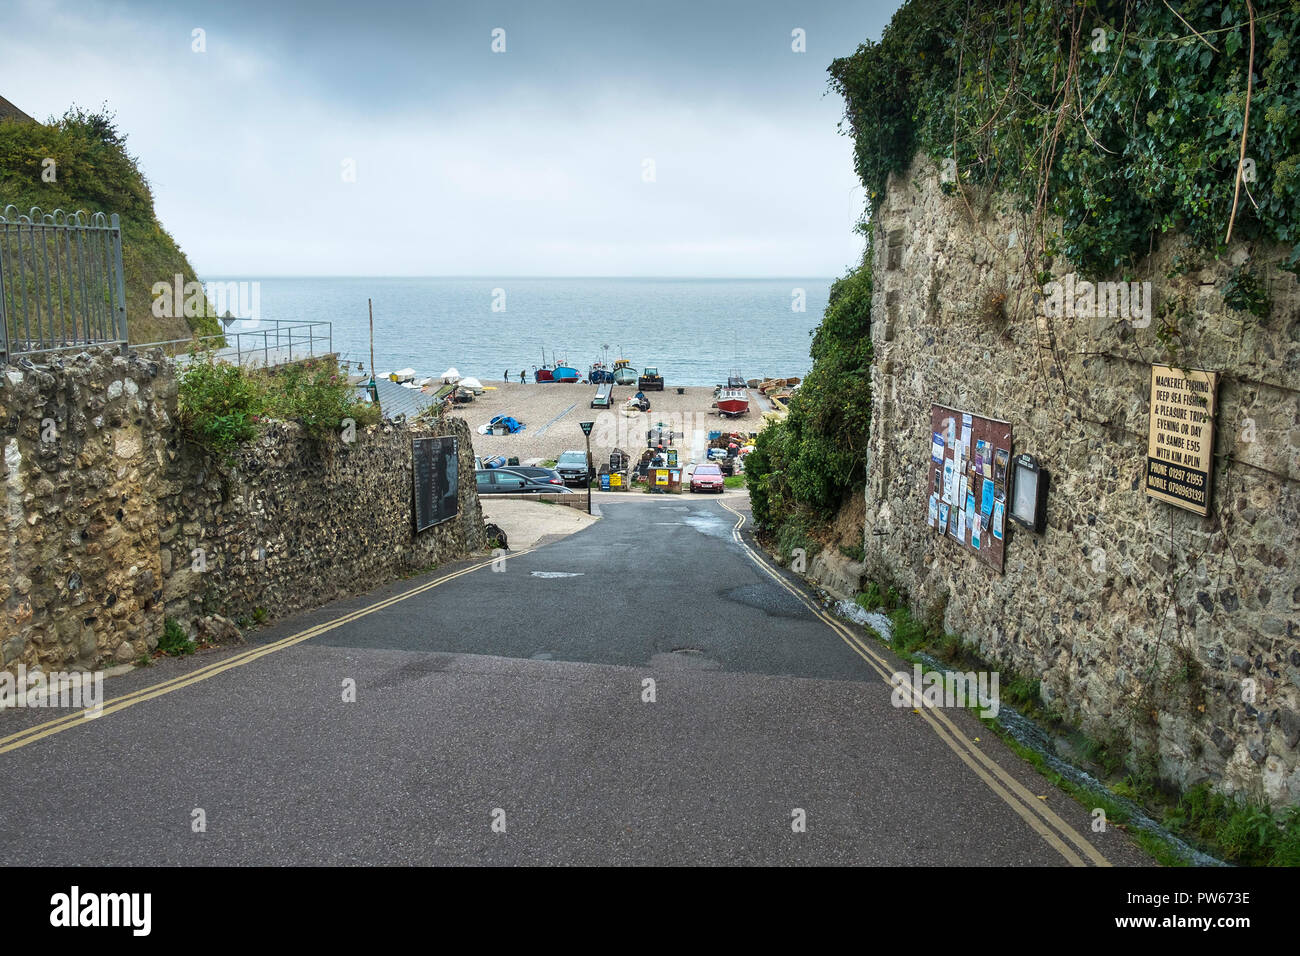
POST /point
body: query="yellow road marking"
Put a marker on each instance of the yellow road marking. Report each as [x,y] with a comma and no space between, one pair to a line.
[1010,790]
[24,737]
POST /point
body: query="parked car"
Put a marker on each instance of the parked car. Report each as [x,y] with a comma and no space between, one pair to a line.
[538,473]
[573,468]
[503,481]
[707,477]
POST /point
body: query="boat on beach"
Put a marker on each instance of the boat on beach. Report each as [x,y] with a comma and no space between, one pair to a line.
[624,373]
[598,374]
[732,402]
[565,373]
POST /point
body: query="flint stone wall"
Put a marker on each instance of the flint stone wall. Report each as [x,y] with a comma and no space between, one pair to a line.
[107,508]
[1172,634]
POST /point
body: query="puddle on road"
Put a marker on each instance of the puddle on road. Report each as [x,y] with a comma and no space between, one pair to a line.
[773,601]
[706,522]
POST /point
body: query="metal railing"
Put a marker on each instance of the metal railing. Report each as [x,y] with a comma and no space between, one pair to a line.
[61,281]
[266,344]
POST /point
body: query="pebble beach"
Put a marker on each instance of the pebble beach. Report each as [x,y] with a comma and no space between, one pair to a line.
[552,413]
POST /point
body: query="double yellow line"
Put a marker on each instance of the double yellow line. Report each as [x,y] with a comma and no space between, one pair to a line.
[1040,817]
[24,737]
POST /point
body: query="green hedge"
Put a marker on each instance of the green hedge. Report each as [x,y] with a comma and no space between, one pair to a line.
[1123,120]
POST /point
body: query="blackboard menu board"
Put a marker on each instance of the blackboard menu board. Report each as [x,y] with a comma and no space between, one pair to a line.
[970,459]
[435,481]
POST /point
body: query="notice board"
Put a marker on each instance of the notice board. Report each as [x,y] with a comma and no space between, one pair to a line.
[1180,444]
[970,464]
[435,480]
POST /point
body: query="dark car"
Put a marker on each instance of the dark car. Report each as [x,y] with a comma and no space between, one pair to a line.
[538,473]
[572,466]
[504,481]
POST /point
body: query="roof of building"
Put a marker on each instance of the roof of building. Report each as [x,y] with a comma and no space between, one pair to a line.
[10,112]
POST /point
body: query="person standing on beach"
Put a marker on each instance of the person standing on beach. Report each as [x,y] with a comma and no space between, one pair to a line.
[505,376]
[521,377]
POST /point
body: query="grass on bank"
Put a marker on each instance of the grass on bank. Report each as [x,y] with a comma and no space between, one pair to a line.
[1242,832]
[94,172]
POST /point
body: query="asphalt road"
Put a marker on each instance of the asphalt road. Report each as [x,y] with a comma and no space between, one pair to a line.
[516,697]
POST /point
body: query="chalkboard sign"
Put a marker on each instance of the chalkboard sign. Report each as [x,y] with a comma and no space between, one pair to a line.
[435,481]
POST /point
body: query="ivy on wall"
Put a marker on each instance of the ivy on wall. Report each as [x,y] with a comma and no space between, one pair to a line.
[1122,119]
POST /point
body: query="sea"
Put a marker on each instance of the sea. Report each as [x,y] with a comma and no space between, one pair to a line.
[696,331]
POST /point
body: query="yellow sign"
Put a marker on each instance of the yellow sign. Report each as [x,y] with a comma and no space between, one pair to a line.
[1180,443]
[661,476]
[615,481]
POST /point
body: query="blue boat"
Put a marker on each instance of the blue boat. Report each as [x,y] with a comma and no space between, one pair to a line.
[565,373]
[599,375]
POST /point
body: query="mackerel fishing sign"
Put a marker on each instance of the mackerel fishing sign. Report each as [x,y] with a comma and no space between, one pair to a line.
[1180,442]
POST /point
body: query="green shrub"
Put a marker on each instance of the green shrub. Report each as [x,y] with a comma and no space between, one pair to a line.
[909,634]
[315,394]
[174,641]
[813,458]
[1144,140]
[219,404]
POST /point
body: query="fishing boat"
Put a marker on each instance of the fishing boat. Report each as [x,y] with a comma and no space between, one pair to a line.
[736,380]
[624,373]
[545,373]
[565,373]
[732,402]
[598,374]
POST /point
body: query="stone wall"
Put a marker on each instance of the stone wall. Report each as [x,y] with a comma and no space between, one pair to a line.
[1150,626]
[108,511]
[84,448]
[293,523]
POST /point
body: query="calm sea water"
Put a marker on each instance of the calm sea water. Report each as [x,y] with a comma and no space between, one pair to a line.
[694,330]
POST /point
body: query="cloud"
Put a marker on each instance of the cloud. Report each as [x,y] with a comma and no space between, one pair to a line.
[467,163]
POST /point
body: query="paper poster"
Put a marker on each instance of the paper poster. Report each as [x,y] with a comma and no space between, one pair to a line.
[949,482]
[964,491]
[999,510]
[970,510]
[965,440]
[975,532]
[936,447]
[1000,459]
[943,517]
[960,531]
[986,498]
[934,510]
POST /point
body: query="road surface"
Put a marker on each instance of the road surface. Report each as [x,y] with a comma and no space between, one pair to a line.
[646,691]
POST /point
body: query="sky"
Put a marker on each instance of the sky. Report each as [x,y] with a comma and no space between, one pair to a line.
[341,137]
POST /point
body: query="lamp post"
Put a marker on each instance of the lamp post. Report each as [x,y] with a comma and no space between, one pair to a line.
[586,430]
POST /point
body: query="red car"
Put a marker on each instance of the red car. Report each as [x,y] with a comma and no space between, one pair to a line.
[707,477]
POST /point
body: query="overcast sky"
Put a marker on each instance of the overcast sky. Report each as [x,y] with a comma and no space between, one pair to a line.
[533,161]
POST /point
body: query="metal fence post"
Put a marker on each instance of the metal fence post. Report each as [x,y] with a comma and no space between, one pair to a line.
[121,280]
[4,316]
